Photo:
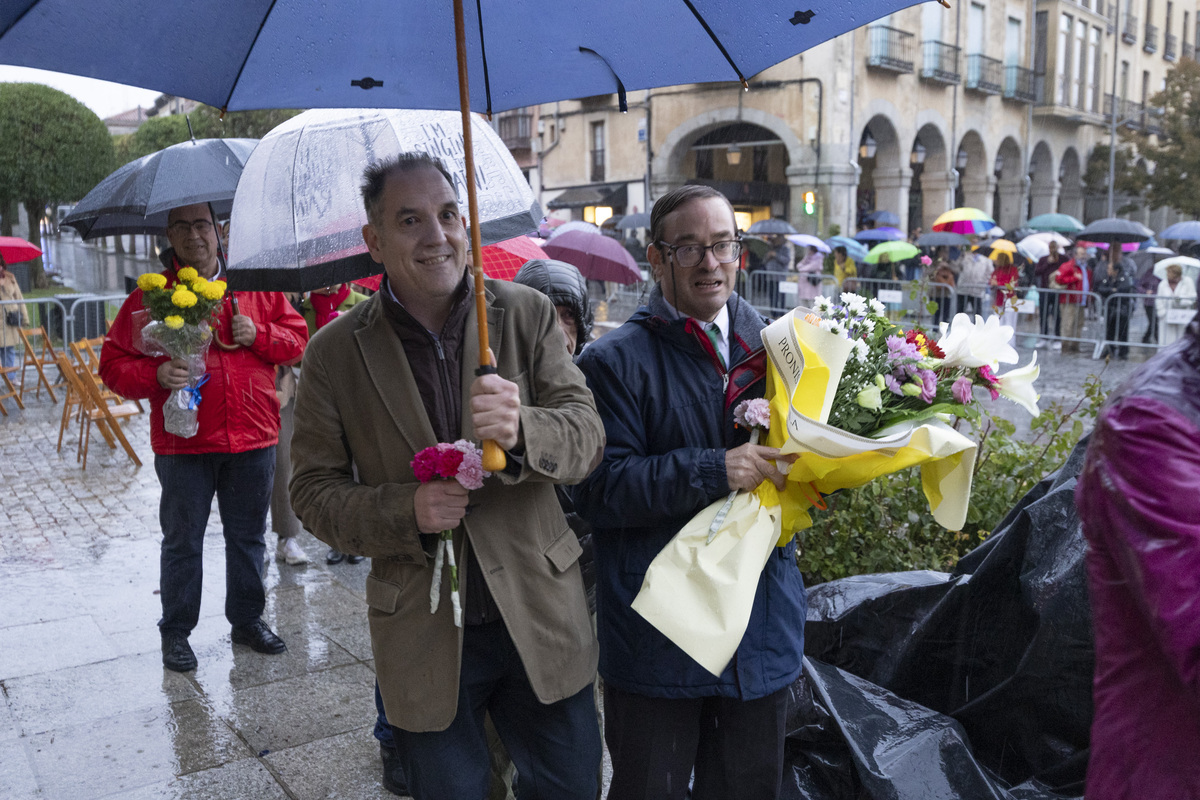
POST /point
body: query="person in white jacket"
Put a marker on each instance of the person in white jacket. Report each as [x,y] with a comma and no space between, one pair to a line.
[1176,292]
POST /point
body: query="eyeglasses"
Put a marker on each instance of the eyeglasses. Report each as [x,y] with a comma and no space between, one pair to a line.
[690,255]
[181,227]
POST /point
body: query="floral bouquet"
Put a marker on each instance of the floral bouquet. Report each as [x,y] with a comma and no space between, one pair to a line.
[853,397]
[463,462]
[178,327]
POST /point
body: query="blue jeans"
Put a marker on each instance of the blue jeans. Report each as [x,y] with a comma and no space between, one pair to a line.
[383,731]
[242,484]
[9,357]
[556,747]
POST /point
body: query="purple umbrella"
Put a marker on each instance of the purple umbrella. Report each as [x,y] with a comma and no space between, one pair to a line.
[598,257]
[884,234]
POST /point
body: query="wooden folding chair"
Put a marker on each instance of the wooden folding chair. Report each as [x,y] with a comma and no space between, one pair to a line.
[95,409]
[10,391]
[39,360]
[87,354]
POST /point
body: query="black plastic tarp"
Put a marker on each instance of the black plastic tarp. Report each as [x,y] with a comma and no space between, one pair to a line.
[972,684]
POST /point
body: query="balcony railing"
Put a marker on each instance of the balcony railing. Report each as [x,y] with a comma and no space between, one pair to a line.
[1130,30]
[890,49]
[1129,113]
[939,62]
[1151,43]
[1170,42]
[1020,84]
[984,74]
[1189,51]
[516,130]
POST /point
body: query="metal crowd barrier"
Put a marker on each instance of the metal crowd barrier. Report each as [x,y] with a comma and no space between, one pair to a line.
[1123,317]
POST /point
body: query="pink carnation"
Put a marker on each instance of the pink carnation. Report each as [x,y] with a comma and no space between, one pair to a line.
[470,469]
[926,260]
[990,381]
[961,389]
[753,413]
[424,464]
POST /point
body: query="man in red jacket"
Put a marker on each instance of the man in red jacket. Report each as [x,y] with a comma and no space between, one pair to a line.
[233,453]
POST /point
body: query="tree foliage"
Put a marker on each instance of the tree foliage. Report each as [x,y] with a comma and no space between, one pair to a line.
[1176,151]
[158,133]
[52,148]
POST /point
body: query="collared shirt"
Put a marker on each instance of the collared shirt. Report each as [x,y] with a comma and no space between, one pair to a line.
[721,323]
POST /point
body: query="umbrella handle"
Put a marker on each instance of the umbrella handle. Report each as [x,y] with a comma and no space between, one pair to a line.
[217,336]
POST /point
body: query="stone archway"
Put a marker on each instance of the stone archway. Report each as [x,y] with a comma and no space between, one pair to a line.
[1010,184]
[976,183]
[1044,185]
[674,163]
[1070,181]
[884,183]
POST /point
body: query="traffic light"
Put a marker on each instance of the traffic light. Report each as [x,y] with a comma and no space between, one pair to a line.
[810,202]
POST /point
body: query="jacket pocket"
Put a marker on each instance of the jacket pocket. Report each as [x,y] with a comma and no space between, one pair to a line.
[382,595]
[564,551]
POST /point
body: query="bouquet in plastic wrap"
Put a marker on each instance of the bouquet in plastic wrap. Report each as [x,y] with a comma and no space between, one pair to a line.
[176,325]
[852,396]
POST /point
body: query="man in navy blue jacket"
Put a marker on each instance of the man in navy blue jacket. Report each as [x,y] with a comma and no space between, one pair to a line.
[665,385]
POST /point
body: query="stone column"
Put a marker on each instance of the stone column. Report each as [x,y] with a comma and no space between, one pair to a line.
[1070,199]
[891,192]
[1012,196]
[938,191]
[978,193]
[836,187]
[1043,198]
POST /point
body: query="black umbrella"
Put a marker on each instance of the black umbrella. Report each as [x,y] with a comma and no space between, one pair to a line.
[1115,230]
[942,239]
[631,221]
[137,197]
[770,226]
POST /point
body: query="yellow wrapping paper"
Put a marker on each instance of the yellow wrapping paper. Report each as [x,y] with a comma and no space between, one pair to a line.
[700,596]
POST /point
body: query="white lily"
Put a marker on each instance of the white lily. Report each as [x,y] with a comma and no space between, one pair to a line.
[1017,386]
[976,344]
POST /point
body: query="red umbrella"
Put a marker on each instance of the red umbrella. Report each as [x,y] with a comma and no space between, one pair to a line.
[14,250]
[502,259]
[598,257]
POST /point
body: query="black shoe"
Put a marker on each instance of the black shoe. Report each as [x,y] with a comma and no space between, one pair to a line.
[352,559]
[177,653]
[258,637]
[393,772]
[334,556]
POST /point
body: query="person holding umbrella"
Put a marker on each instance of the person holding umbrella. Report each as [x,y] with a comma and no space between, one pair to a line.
[1117,279]
[12,318]
[233,453]
[394,376]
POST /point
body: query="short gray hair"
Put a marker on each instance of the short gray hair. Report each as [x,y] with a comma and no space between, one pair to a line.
[375,177]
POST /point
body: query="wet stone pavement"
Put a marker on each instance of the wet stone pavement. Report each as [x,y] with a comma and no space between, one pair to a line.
[87,709]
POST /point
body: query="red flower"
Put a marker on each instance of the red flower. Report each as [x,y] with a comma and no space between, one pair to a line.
[425,465]
[448,459]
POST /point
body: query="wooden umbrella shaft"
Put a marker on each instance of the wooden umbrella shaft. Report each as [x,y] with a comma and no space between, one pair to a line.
[493,456]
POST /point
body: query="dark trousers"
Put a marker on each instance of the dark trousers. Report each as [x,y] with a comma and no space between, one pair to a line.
[734,746]
[383,731]
[1048,314]
[556,747]
[242,484]
[1116,328]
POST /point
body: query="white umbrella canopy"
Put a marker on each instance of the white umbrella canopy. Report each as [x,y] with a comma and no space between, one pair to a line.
[573,225]
[1037,246]
[298,212]
[1191,267]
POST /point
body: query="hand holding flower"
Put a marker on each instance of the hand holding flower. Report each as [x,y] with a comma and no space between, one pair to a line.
[751,464]
[439,506]
[173,374]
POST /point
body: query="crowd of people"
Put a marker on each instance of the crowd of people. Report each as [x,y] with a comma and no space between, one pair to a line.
[317,409]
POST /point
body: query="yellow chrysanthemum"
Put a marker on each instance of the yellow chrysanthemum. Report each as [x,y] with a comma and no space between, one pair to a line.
[188,274]
[151,281]
[174,322]
[222,284]
[199,282]
[210,291]
[183,298]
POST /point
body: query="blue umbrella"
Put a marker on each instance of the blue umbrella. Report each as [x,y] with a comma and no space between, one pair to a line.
[855,249]
[402,54]
[885,234]
[884,218]
[1184,231]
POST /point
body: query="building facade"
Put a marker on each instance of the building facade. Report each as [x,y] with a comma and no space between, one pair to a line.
[996,104]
